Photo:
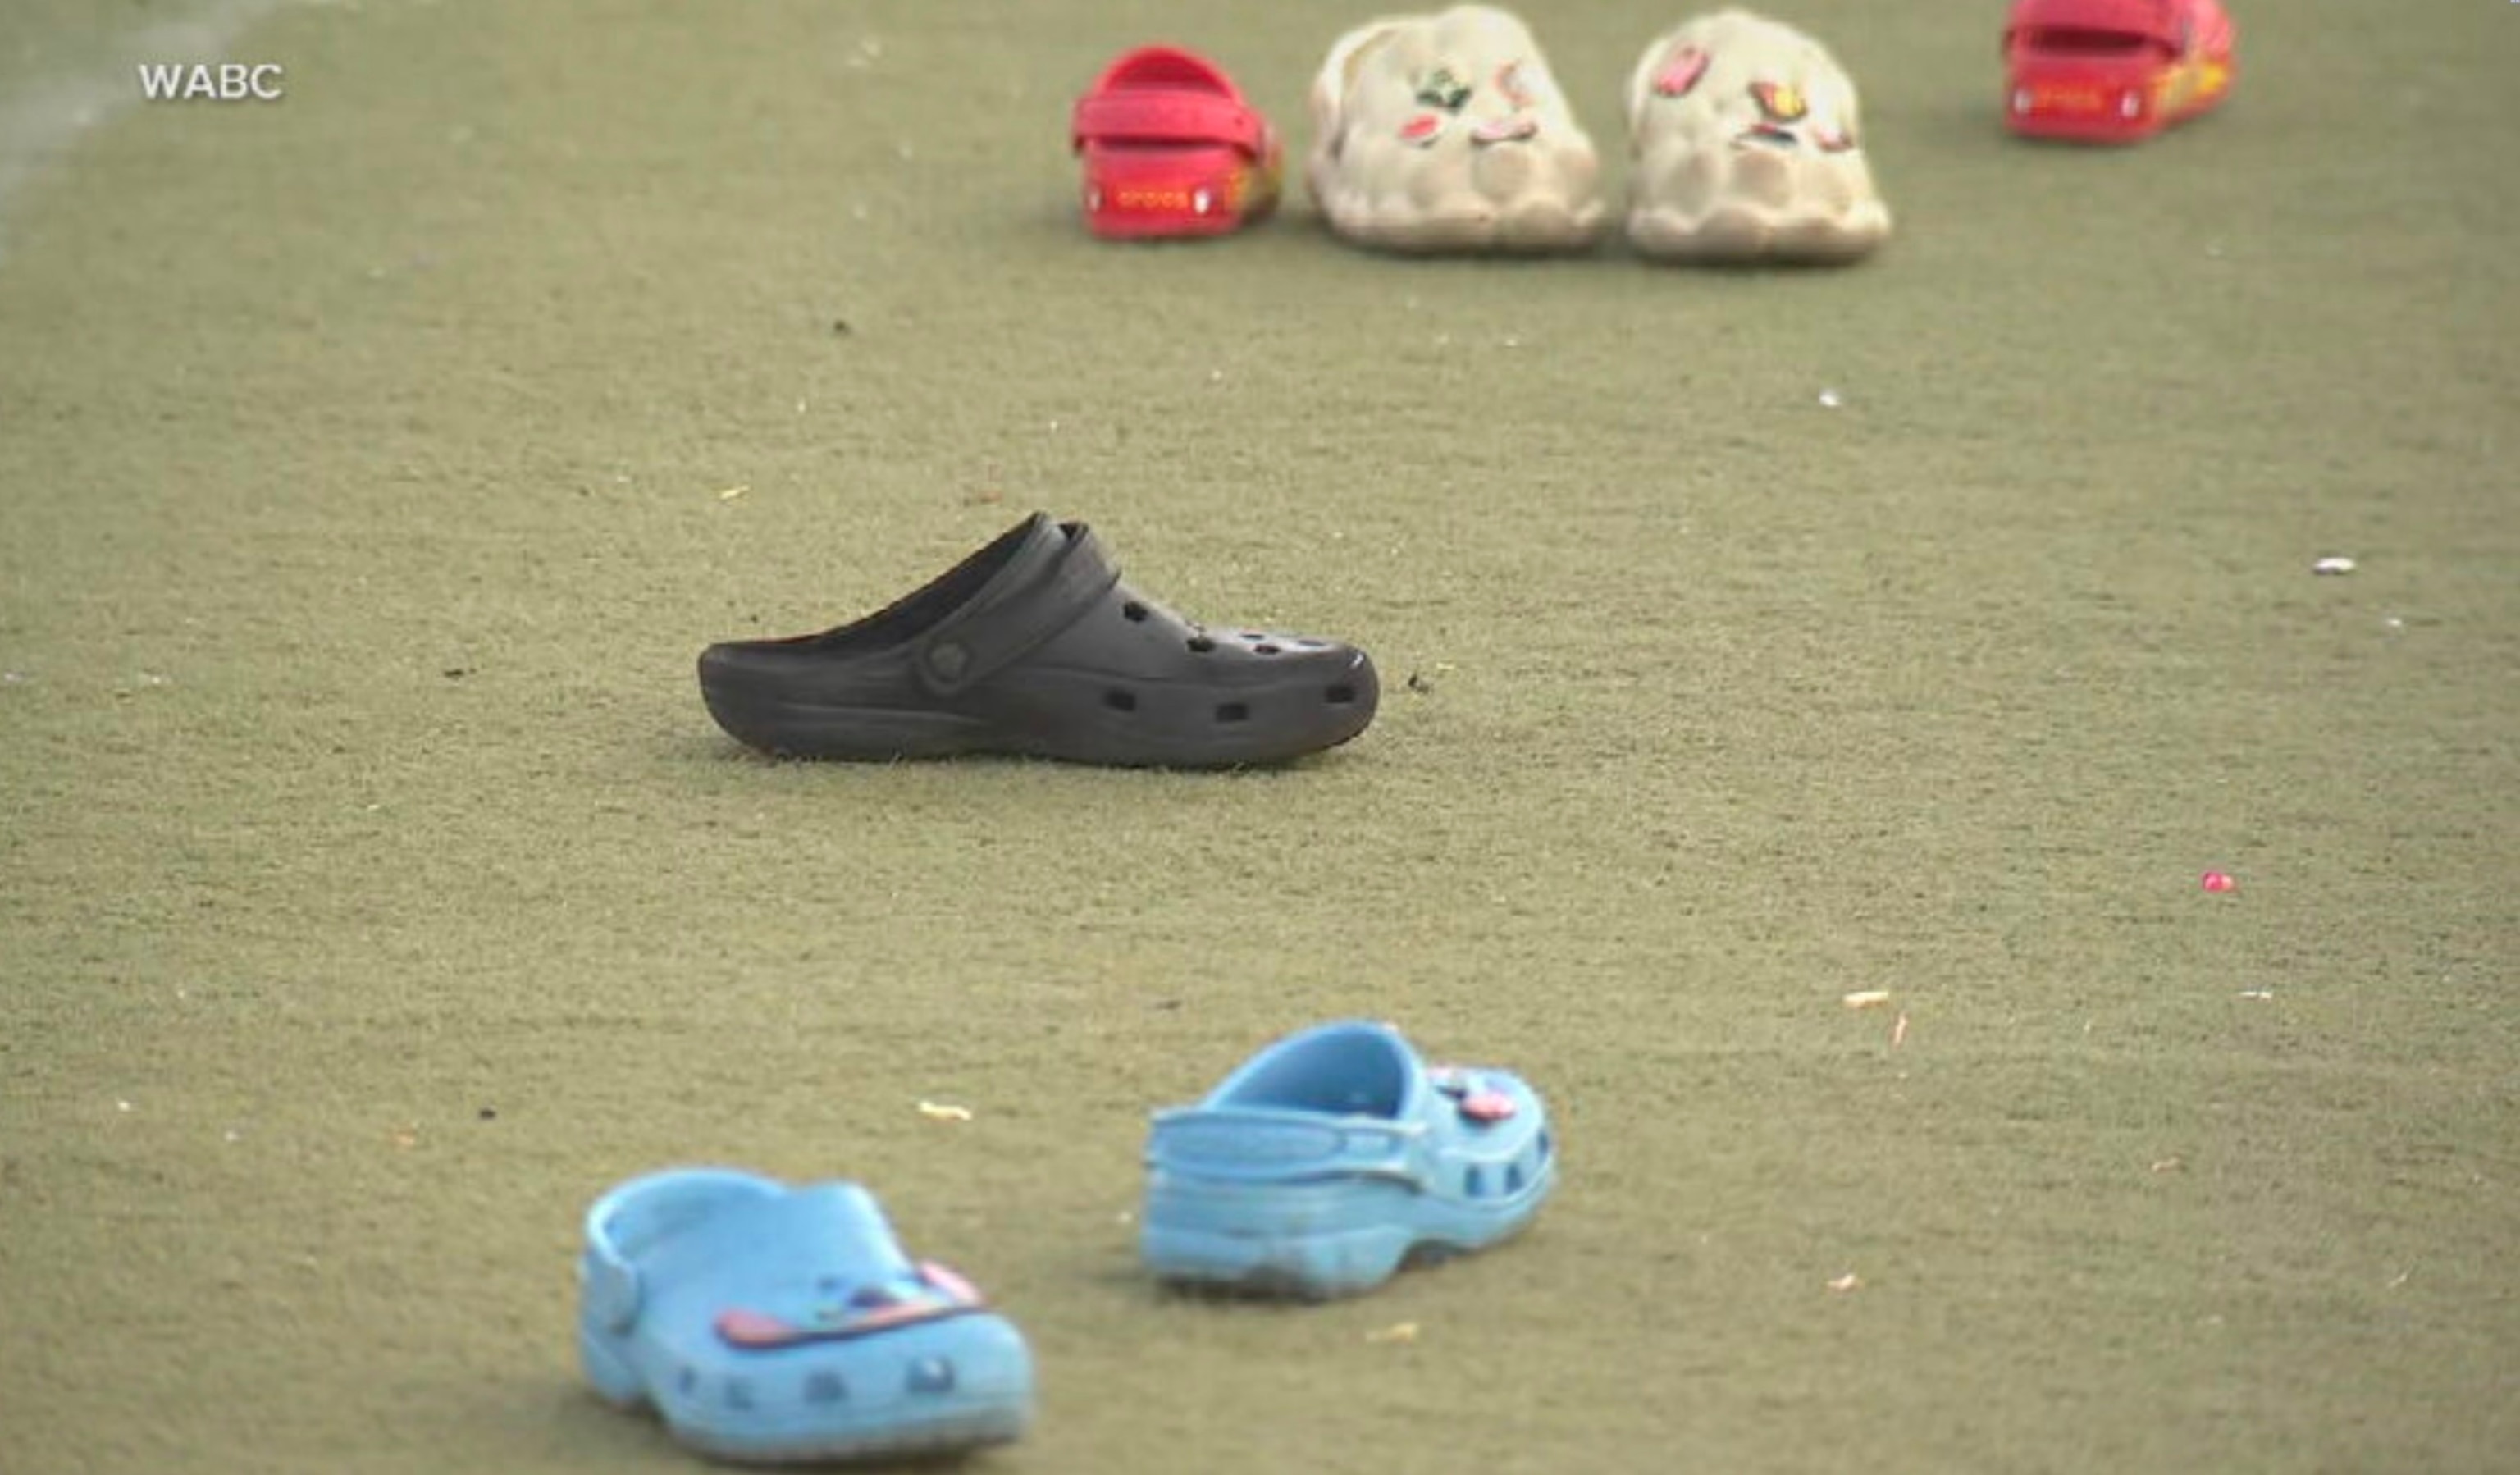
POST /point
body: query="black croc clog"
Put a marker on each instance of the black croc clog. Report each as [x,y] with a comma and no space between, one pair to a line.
[1033,647]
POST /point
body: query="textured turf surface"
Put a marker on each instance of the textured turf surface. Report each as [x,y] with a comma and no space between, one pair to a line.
[374,891]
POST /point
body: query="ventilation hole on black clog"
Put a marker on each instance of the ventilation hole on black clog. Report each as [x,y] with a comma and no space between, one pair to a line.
[1234,711]
[1339,697]
[1474,1183]
[1309,644]
[1264,648]
[1514,1177]
[1255,635]
[824,1388]
[1200,645]
[1133,611]
[1120,701]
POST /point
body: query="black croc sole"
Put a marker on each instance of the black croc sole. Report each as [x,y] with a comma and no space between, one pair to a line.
[1033,647]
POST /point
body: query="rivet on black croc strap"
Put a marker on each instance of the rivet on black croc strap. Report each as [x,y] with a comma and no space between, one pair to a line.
[1032,600]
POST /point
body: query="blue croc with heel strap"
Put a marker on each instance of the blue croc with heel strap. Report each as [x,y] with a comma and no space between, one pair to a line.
[1334,1157]
[770,1323]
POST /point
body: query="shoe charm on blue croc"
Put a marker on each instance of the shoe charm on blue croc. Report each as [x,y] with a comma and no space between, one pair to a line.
[1333,1157]
[771,1324]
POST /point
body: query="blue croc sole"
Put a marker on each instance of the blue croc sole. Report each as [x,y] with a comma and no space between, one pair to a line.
[769,1324]
[1336,1156]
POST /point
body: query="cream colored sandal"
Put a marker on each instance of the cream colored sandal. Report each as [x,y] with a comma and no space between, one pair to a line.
[1747,147]
[1448,133]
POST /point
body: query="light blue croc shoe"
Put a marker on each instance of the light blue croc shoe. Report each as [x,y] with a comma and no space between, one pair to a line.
[1335,1155]
[771,1324]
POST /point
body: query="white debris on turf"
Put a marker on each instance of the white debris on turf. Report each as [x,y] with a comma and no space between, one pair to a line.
[944,1111]
[1865,998]
[1831,399]
[2332,566]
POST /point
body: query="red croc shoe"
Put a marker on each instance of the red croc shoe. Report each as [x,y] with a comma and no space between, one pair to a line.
[2113,72]
[1171,149]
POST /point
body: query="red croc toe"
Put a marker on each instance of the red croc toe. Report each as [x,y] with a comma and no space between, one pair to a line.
[2113,72]
[1171,149]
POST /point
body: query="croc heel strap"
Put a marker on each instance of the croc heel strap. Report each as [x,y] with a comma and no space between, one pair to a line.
[1025,605]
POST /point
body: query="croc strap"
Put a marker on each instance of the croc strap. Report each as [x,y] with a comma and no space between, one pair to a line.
[2156,20]
[640,1212]
[1033,599]
[610,1285]
[1259,1144]
[1151,115]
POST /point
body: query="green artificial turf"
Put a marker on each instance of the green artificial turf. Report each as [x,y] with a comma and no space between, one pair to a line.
[374,890]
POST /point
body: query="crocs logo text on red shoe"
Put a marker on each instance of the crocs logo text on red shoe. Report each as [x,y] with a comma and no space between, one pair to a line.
[1201,201]
[2053,97]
